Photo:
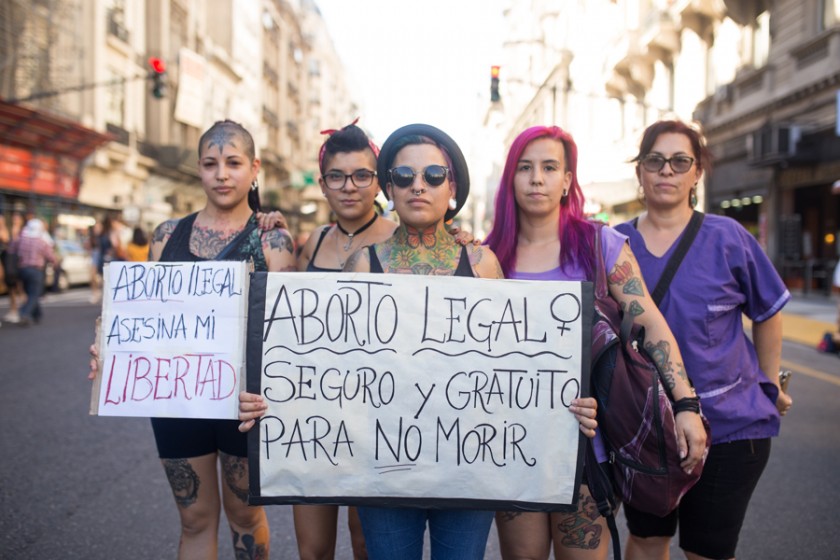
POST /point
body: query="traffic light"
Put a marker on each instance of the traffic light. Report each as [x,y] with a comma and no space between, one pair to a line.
[494,84]
[157,73]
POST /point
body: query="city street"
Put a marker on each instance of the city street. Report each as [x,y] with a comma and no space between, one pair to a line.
[74,486]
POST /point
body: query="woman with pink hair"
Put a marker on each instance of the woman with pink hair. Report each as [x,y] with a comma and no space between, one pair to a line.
[540,233]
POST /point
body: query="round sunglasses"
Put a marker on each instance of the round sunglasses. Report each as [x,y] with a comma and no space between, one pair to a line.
[433,175]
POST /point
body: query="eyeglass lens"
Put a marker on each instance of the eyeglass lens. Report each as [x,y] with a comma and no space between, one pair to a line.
[433,175]
[655,162]
[361,178]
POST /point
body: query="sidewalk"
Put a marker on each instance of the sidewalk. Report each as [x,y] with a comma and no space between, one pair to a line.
[806,318]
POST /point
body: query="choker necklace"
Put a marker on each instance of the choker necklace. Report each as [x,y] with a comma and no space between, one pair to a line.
[358,231]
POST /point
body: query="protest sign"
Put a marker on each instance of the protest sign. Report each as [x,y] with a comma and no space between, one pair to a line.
[417,390]
[171,339]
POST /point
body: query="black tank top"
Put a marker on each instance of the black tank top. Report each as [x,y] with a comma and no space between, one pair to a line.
[310,267]
[464,267]
[177,247]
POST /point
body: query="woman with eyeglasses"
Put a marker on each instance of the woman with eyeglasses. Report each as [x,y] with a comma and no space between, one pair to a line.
[540,233]
[347,161]
[725,274]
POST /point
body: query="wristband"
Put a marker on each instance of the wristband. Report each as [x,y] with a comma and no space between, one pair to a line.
[690,404]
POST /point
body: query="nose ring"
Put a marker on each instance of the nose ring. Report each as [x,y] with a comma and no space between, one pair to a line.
[418,192]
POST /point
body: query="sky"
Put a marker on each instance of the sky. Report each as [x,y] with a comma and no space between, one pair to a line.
[418,61]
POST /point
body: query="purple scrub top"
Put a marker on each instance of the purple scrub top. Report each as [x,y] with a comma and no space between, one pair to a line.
[724,274]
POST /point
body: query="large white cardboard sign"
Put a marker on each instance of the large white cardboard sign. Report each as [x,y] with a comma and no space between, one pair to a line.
[172,340]
[417,390]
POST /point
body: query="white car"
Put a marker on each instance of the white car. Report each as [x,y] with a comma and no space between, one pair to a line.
[75,265]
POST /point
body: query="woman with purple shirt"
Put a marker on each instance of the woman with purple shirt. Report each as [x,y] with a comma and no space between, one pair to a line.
[540,233]
[724,274]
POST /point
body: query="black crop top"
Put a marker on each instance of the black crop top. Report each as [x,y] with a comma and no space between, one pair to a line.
[310,266]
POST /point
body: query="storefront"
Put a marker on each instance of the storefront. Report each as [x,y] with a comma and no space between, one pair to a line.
[41,162]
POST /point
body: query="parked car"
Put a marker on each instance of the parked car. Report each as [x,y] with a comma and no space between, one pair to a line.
[74,268]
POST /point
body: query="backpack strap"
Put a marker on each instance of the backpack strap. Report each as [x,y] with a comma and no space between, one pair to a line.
[236,241]
[601,489]
[676,259]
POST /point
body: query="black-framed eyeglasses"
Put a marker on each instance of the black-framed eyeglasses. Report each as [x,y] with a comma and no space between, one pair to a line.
[336,180]
[655,162]
[433,175]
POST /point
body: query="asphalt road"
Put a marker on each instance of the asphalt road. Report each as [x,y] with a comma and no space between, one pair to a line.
[73,486]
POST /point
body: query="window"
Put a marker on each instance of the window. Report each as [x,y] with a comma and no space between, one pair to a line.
[761,40]
[115,100]
[829,13]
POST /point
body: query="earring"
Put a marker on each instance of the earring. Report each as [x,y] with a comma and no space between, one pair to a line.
[565,194]
[692,198]
[254,185]
[453,204]
[390,206]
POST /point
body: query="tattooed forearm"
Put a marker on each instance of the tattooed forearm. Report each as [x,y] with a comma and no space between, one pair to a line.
[660,353]
[183,480]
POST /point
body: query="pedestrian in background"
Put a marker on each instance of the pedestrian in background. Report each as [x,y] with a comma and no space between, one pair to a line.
[137,249]
[95,251]
[192,451]
[33,252]
[725,274]
[540,233]
[12,269]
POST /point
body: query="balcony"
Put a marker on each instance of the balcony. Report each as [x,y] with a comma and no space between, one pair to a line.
[660,36]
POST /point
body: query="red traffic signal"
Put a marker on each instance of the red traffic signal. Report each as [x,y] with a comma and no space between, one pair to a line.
[158,76]
[494,71]
[157,64]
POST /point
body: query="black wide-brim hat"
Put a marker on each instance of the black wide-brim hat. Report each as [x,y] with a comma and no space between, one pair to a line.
[460,172]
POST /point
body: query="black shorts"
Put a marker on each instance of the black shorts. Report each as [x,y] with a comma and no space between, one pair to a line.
[183,438]
[710,515]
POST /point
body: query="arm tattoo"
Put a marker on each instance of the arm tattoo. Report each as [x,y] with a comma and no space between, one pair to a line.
[183,480]
[633,287]
[621,273]
[280,240]
[660,353]
[163,231]
[636,308]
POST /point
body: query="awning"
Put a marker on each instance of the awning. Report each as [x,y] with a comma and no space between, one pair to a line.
[42,132]
[43,153]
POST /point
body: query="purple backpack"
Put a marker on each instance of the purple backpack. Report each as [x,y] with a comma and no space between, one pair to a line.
[635,415]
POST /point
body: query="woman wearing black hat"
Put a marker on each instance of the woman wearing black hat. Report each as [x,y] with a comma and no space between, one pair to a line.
[427,181]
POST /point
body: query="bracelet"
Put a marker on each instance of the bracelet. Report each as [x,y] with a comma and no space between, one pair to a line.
[690,404]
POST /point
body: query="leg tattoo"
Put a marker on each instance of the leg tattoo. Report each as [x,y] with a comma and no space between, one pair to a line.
[183,479]
[235,472]
[508,515]
[578,530]
[246,548]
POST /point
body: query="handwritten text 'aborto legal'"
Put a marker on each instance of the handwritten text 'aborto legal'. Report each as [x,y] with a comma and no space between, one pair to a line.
[368,376]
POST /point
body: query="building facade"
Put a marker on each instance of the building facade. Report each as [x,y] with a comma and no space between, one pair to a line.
[760,77]
[262,63]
